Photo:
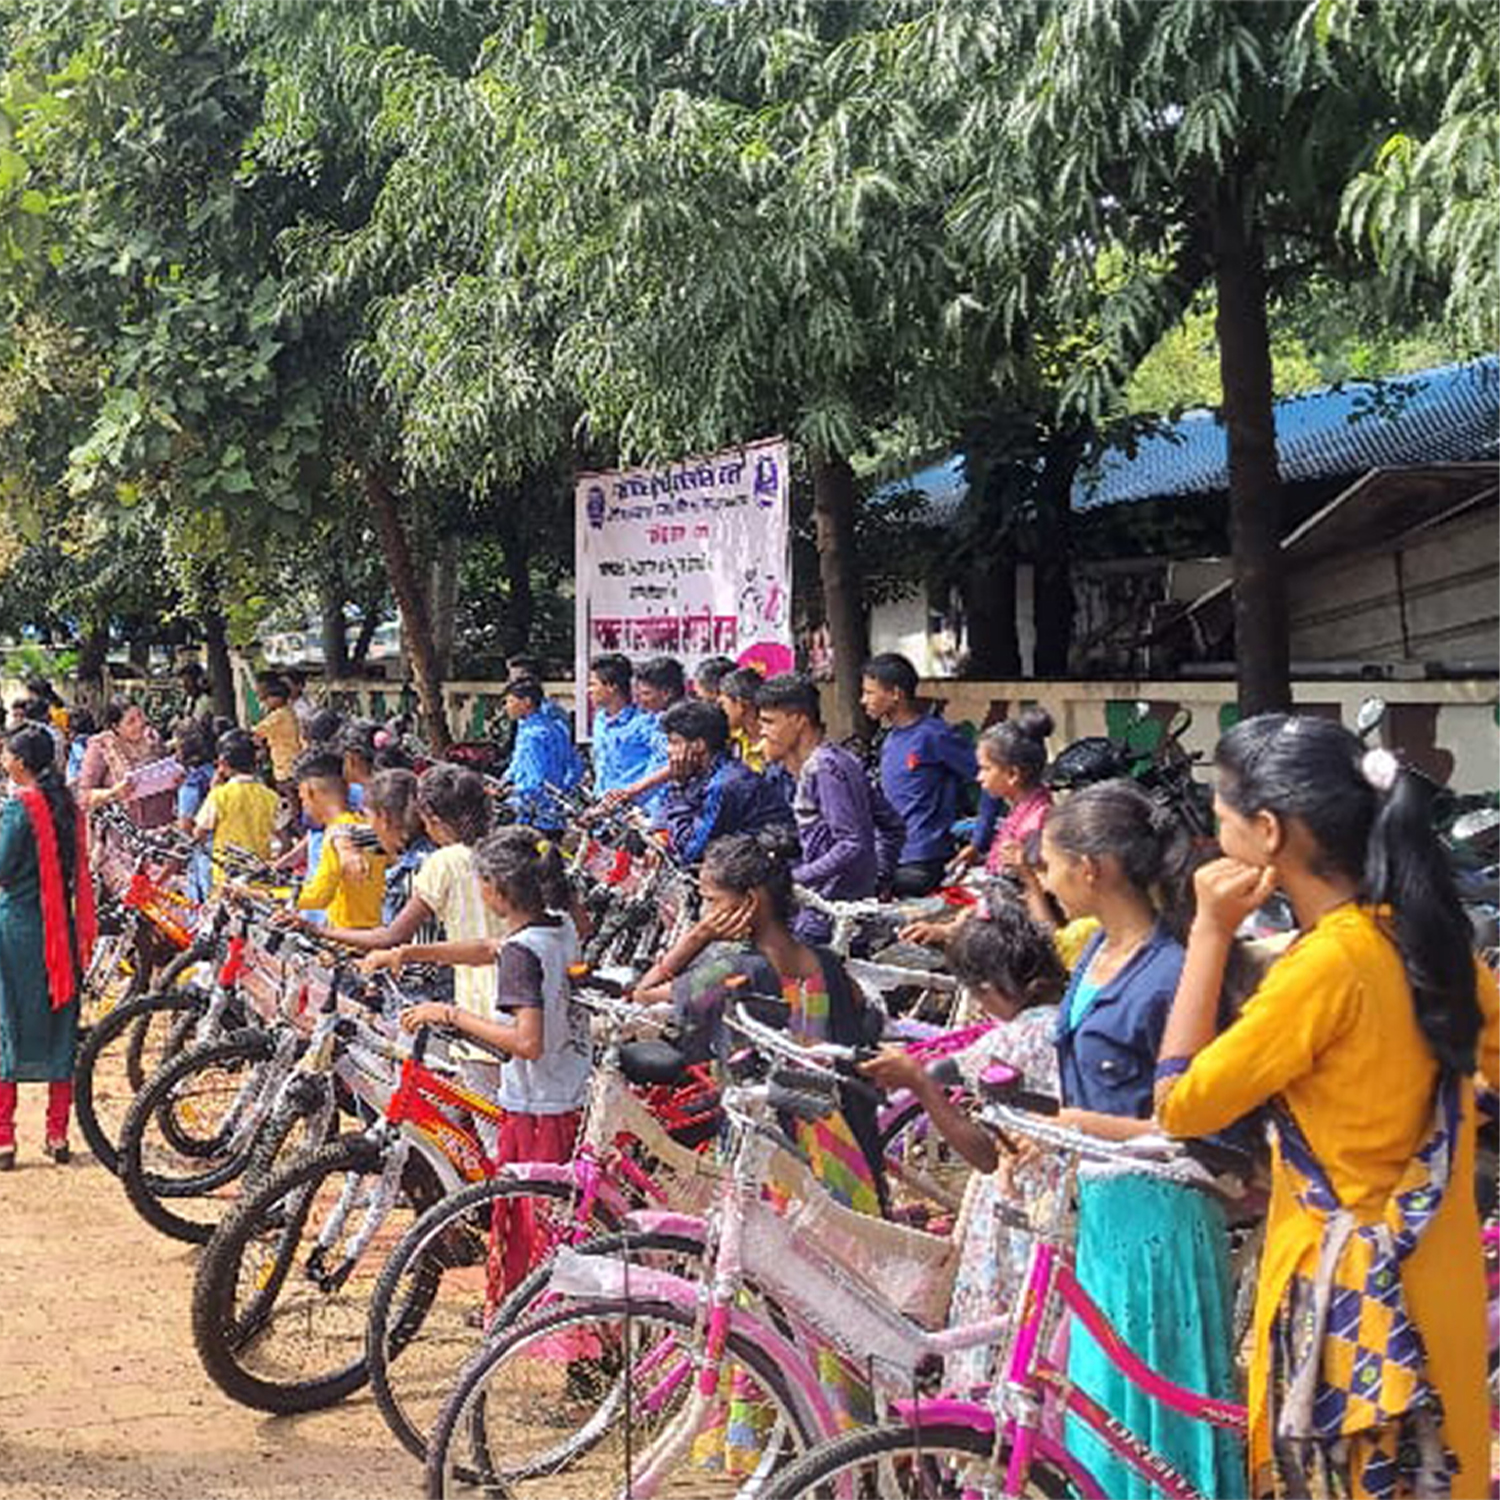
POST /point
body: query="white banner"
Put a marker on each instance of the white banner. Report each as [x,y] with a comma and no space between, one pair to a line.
[690,560]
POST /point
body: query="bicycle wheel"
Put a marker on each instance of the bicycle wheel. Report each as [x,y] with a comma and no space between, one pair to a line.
[427,1313]
[585,1388]
[102,1091]
[114,976]
[282,1296]
[947,1462]
[187,1139]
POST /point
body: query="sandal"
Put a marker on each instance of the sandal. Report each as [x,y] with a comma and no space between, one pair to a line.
[7,1158]
[58,1151]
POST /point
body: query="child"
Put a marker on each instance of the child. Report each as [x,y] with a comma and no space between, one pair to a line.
[349,892]
[1011,970]
[925,765]
[747,899]
[277,729]
[531,1015]
[241,810]
[850,835]
[1365,1035]
[543,755]
[737,694]
[192,748]
[1153,1254]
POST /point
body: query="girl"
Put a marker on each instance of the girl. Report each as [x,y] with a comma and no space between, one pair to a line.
[531,1015]
[1010,967]
[197,757]
[46,935]
[1012,756]
[1364,1036]
[1153,1254]
[747,900]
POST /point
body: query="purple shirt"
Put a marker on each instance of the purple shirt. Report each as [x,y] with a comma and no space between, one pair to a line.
[850,835]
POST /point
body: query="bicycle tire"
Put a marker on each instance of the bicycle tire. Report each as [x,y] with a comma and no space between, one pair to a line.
[460,1455]
[208,1169]
[91,1100]
[230,1333]
[871,1463]
[453,1235]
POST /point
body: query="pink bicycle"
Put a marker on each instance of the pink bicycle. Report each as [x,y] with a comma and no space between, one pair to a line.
[946,1449]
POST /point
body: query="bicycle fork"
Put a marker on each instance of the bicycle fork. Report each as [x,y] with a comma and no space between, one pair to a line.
[379,1202]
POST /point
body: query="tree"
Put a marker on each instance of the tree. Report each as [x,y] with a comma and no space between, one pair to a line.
[1194,134]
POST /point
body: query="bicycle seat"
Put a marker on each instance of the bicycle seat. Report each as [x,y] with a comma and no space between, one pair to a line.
[652,1062]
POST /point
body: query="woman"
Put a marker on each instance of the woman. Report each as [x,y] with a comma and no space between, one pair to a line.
[46,935]
[1363,1036]
[114,756]
[1152,1254]
[747,900]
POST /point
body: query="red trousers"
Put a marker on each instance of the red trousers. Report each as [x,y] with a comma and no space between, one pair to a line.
[59,1107]
[517,1240]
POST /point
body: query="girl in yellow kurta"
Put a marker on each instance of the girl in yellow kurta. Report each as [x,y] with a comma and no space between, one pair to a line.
[1374,1017]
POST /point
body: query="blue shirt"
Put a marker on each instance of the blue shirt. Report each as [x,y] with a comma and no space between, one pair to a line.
[543,754]
[726,798]
[1106,1054]
[923,768]
[628,746]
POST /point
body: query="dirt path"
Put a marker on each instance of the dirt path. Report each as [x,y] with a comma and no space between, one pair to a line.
[101,1395]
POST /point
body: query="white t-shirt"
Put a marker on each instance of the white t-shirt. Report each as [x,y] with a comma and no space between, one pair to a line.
[448,885]
[533,971]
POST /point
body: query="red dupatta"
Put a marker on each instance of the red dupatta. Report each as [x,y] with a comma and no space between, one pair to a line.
[61,977]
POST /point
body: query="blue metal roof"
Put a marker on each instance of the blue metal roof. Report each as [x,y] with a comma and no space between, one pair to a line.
[1450,414]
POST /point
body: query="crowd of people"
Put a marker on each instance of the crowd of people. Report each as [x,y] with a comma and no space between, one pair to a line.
[1099,948]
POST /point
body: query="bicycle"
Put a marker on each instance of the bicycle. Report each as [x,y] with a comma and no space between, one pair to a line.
[973,1450]
[646,1114]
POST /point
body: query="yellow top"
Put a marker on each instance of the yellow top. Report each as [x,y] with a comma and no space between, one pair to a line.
[1072,938]
[748,750]
[240,811]
[283,737]
[349,901]
[1333,1032]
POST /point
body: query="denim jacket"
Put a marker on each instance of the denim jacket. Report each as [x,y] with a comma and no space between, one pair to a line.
[1107,1062]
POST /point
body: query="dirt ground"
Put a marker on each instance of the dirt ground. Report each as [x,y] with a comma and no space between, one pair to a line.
[101,1395]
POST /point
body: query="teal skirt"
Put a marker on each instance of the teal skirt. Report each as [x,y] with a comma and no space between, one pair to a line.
[1155,1257]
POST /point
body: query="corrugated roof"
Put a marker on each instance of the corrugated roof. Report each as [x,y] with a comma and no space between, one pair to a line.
[1450,414]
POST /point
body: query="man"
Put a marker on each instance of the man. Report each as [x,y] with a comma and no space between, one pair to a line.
[302,706]
[925,765]
[711,794]
[543,755]
[629,745]
[659,684]
[851,837]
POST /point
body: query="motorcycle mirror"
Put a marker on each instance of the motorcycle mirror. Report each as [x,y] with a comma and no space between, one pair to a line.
[1179,724]
[1370,716]
[1474,825]
[1140,713]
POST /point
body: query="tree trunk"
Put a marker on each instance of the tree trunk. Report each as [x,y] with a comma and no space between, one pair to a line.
[93,651]
[220,668]
[368,625]
[443,599]
[415,624]
[1052,604]
[138,646]
[520,603]
[1262,640]
[333,630]
[843,602]
[989,587]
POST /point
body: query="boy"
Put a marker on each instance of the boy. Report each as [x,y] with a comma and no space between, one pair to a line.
[850,835]
[659,683]
[241,809]
[351,891]
[711,794]
[708,677]
[277,729]
[543,753]
[925,765]
[628,743]
[737,692]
